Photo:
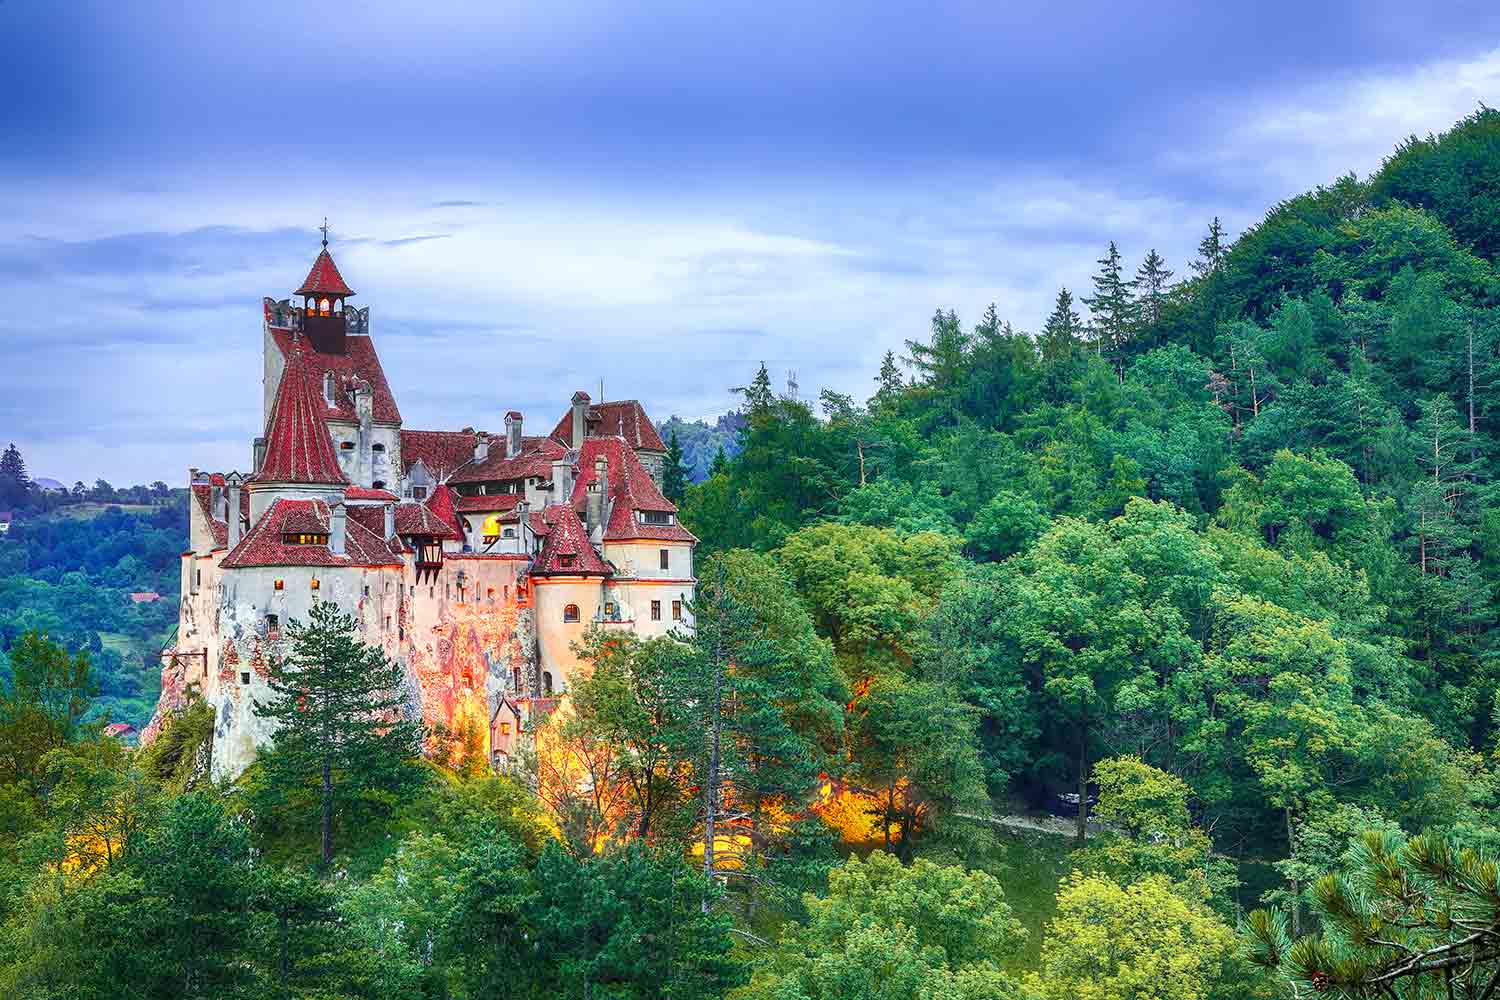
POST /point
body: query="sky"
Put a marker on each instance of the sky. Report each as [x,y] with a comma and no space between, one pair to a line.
[534,198]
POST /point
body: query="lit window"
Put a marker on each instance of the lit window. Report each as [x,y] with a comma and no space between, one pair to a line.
[570,613]
[305,538]
[677,611]
[315,585]
[346,445]
[324,307]
[609,609]
[505,729]
[656,611]
[280,584]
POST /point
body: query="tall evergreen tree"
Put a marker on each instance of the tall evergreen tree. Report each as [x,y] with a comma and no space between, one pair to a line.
[14,483]
[337,707]
[1111,307]
[1211,249]
[888,383]
[1064,330]
[758,394]
[1151,287]
[674,474]
[720,464]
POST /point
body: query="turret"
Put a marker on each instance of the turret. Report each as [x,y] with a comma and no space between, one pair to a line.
[580,417]
[512,434]
[323,294]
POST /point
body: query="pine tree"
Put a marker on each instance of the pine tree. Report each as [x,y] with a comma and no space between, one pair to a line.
[720,464]
[888,383]
[1151,287]
[14,483]
[1211,250]
[1111,308]
[1063,332]
[674,475]
[758,394]
[337,707]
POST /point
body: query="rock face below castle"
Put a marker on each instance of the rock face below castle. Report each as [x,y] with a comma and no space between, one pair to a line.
[474,559]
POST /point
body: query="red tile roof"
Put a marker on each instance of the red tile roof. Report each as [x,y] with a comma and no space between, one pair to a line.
[622,418]
[263,545]
[631,489]
[443,452]
[566,537]
[495,501]
[441,505]
[299,448]
[144,596]
[365,493]
[324,278]
[358,363]
[536,458]
[413,518]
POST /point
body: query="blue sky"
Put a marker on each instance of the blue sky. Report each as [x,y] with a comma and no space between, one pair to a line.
[535,197]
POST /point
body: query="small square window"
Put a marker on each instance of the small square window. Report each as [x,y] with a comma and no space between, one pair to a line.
[244,677]
[280,584]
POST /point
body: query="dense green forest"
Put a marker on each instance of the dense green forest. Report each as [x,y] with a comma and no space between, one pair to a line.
[68,568]
[1209,559]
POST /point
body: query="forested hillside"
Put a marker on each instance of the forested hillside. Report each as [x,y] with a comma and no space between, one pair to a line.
[1207,563]
[70,574]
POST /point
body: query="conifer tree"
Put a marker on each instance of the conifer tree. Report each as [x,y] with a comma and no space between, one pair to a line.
[14,483]
[337,707]
[1151,287]
[1211,250]
[674,474]
[1063,331]
[1111,307]
[888,383]
[758,394]
[720,464]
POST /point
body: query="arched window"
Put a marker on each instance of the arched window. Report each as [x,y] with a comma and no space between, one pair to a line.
[324,307]
[570,613]
[546,683]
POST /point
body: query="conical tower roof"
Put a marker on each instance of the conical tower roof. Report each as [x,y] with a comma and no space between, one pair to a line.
[324,278]
[299,448]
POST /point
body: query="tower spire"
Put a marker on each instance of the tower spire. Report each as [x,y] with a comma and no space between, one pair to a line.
[324,227]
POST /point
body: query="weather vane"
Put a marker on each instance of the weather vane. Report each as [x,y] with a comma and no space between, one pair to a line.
[324,227]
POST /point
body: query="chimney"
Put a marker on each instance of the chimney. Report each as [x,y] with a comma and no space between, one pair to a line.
[337,528]
[257,454]
[562,481]
[232,483]
[598,490]
[580,417]
[481,446]
[390,521]
[512,434]
[523,526]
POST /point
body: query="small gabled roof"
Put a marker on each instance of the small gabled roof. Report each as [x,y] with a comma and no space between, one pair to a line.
[324,278]
[622,418]
[567,537]
[299,448]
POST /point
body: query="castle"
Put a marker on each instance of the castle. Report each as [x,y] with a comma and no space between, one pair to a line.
[474,560]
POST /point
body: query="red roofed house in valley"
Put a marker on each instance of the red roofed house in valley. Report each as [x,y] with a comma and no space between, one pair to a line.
[474,558]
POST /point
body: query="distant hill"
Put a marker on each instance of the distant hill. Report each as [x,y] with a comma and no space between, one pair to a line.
[43,483]
[701,440]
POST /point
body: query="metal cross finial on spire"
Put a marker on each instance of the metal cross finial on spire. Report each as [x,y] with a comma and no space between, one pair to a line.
[324,227]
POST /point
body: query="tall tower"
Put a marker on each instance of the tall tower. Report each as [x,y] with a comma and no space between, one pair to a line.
[323,295]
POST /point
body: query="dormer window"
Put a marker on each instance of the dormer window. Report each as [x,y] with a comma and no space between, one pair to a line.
[567,562]
[304,538]
[656,517]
